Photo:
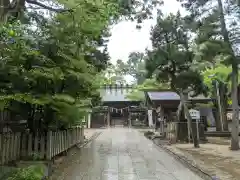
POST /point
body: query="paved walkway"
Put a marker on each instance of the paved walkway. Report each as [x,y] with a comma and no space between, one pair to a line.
[125,154]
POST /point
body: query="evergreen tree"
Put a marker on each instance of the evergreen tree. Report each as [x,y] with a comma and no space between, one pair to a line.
[172,57]
[221,20]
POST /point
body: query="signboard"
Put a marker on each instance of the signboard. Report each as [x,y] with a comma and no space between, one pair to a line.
[194,114]
[230,115]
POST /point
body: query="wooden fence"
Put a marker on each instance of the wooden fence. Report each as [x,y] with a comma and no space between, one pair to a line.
[171,131]
[23,146]
[179,131]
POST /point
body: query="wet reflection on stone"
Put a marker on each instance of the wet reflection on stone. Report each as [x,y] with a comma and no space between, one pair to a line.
[124,154]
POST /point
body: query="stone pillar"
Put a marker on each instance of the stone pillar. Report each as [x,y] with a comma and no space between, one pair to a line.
[89,120]
[150,118]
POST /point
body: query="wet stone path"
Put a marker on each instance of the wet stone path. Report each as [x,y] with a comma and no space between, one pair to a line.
[125,154]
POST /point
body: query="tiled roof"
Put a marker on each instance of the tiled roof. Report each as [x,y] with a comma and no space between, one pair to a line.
[169,95]
[115,94]
[166,95]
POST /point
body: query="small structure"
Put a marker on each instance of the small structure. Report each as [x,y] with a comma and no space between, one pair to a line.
[116,108]
[164,105]
[167,102]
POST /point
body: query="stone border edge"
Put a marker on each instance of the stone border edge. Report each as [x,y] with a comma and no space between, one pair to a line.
[185,162]
[94,136]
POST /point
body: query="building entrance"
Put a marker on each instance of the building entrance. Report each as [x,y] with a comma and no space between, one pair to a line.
[118,118]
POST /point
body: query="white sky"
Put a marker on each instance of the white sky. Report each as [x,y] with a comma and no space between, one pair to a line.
[126,38]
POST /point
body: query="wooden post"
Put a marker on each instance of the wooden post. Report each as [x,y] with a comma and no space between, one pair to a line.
[78,135]
[1,147]
[49,145]
[108,118]
[130,119]
[36,143]
[18,145]
[42,148]
[23,145]
[197,126]
[81,135]
[29,149]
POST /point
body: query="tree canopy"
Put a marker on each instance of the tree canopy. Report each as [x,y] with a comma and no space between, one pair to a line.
[217,28]
[54,55]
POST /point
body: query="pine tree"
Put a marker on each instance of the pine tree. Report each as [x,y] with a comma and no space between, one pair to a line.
[172,57]
[222,42]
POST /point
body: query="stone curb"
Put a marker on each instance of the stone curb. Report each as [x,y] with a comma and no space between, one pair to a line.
[187,162]
[94,136]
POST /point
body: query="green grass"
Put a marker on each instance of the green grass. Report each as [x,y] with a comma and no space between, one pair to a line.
[34,172]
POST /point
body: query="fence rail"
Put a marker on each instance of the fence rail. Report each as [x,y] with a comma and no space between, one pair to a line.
[16,146]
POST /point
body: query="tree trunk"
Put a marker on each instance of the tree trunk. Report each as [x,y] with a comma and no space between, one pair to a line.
[4,4]
[224,104]
[235,120]
[217,117]
[178,120]
[224,118]
[184,98]
[30,118]
[6,9]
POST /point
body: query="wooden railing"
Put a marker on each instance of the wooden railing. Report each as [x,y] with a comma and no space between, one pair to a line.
[16,146]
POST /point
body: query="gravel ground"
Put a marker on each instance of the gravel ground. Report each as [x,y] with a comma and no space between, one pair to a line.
[216,160]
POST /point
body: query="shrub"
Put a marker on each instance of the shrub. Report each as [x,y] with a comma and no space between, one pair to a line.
[34,172]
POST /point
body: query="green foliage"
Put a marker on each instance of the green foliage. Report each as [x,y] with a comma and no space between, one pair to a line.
[148,85]
[171,58]
[152,84]
[136,95]
[135,67]
[114,74]
[217,30]
[220,73]
[51,66]
[138,10]
[48,75]
[34,172]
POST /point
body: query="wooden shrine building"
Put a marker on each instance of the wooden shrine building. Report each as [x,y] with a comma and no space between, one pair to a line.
[116,109]
[167,102]
[164,107]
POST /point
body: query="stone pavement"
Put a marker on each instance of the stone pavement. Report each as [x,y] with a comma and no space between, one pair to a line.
[125,154]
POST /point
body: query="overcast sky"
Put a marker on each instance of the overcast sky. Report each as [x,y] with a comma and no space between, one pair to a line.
[126,38]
